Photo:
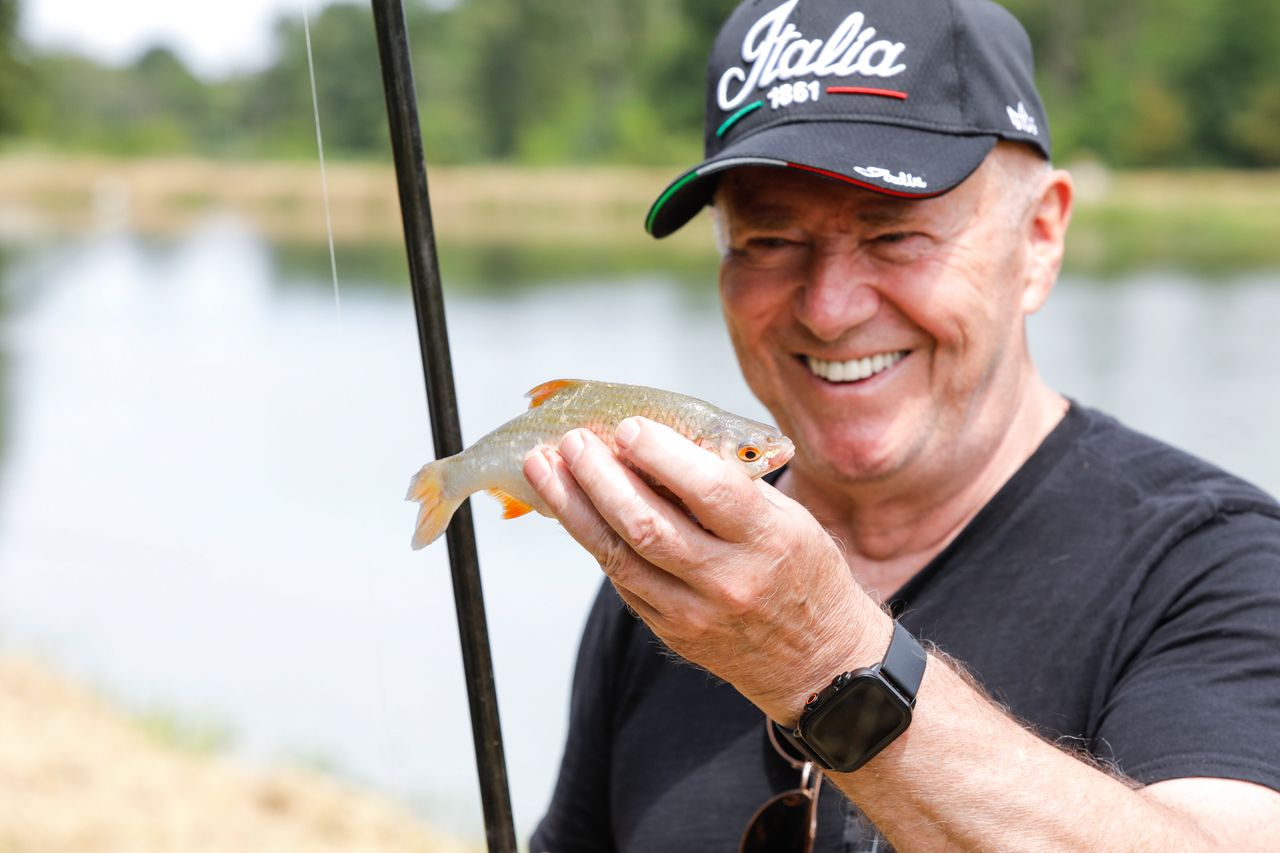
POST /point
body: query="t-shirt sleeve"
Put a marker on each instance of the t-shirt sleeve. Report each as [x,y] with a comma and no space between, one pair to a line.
[1198,685]
[578,818]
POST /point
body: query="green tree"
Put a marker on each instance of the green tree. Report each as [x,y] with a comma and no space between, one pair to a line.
[15,81]
[1255,129]
[152,106]
[1141,83]
[277,114]
[609,80]
[444,63]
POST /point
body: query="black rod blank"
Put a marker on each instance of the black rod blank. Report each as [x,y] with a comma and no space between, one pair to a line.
[433,340]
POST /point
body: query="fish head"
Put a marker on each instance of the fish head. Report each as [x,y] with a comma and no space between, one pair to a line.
[754,447]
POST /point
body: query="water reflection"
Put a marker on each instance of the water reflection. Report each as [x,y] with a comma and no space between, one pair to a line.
[203,466]
[6,307]
[497,269]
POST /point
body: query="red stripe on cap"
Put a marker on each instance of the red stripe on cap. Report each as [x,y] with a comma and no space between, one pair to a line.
[863,90]
[863,184]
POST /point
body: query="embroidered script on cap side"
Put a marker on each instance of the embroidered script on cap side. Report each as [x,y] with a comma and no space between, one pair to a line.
[775,50]
[902,179]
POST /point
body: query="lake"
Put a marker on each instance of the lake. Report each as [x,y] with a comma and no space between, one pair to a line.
[204,459]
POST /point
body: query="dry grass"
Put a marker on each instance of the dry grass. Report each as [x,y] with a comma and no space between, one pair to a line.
[284,201]
[1210,219]
[75,775]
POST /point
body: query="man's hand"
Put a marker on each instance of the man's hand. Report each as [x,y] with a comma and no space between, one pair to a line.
[754,590]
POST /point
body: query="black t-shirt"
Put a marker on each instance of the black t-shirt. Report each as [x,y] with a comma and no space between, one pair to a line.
[1118,595]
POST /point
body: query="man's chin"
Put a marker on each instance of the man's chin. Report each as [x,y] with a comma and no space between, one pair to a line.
[847,462]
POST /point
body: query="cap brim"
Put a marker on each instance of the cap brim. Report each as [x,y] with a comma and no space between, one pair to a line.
[884,158]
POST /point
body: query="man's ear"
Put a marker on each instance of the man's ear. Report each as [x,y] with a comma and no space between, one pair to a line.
[1050,215]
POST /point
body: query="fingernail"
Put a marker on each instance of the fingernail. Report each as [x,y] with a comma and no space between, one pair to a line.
[571,447]
[536,468]
[627,432]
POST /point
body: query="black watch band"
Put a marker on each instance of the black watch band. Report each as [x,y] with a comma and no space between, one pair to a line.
[903,663]
[862,711]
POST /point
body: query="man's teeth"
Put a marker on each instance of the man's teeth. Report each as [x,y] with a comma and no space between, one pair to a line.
[855,369]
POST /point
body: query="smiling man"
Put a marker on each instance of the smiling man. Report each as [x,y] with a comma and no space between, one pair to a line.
[987,616]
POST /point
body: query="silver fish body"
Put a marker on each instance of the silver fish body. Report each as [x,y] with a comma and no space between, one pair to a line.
[495,462]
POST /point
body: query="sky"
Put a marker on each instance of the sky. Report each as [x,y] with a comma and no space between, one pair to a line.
[214,38]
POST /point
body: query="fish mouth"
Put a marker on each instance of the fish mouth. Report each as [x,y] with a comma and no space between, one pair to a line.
[781,453]
[854,369]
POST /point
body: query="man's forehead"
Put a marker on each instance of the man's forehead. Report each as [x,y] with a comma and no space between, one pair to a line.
[775,197]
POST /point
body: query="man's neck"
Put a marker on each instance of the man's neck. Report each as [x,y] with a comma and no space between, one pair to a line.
[891,530]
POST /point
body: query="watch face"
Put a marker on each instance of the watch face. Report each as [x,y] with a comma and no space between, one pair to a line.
[859,721]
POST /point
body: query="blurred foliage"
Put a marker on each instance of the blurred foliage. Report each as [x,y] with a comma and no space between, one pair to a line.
[1168,83]
[14,75]
[1139,84]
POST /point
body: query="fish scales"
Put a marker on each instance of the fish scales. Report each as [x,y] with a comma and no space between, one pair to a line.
[495,462]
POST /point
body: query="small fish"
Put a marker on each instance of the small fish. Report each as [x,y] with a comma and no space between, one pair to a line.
[495,463]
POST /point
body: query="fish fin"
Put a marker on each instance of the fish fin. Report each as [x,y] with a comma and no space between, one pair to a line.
[427,488]
[512,507]
[544,392]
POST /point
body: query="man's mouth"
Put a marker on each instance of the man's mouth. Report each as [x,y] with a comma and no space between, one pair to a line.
[857,369]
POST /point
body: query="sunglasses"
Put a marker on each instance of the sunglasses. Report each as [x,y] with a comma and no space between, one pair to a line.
[787,822]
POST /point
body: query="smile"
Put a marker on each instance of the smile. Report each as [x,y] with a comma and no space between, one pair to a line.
[857,369]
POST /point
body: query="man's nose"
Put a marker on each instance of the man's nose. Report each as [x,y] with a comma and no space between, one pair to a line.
[837,296]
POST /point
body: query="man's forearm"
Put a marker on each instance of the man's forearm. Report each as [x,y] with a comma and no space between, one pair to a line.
[967,776]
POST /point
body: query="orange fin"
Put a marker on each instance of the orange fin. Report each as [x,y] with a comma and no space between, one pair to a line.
[511,507]
[544,392]
[427,488]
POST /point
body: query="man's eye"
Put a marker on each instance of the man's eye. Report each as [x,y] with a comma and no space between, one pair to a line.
[769,243]
[894,237]
[764,249]
[901,246]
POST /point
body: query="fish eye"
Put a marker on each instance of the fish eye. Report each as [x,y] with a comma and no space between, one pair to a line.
[748,452]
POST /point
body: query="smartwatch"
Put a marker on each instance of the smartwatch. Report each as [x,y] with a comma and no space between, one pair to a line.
[861,712]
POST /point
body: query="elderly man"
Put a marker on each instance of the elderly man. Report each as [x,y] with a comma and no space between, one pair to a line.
[992,617]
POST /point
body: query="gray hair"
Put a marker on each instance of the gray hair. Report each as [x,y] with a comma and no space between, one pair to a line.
[1018,172]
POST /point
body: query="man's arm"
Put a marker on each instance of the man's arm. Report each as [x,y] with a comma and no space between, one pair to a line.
[756,592]
[966,775]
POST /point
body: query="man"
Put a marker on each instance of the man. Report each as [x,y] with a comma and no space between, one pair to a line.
[1101,612]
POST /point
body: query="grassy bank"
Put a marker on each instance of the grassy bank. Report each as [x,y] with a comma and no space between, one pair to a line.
[284,200]
[1205,221]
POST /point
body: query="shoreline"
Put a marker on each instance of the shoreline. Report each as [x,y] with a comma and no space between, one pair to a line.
[1204,219]
[88,778]
[41,194]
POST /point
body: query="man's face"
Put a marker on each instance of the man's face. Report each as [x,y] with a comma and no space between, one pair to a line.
[885,335]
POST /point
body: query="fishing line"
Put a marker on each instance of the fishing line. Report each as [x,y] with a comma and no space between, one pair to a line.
[371,592]
[324,180]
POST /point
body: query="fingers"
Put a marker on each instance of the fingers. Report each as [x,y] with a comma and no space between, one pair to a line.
[547,473]
[560,488]
[652,526]
[723,498]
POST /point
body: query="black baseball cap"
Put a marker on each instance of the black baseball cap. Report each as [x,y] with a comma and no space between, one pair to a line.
[903,97]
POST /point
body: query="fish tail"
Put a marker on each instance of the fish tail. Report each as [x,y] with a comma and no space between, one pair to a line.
[427,488]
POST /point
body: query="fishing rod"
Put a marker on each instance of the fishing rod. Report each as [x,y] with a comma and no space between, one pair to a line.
[433,342]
